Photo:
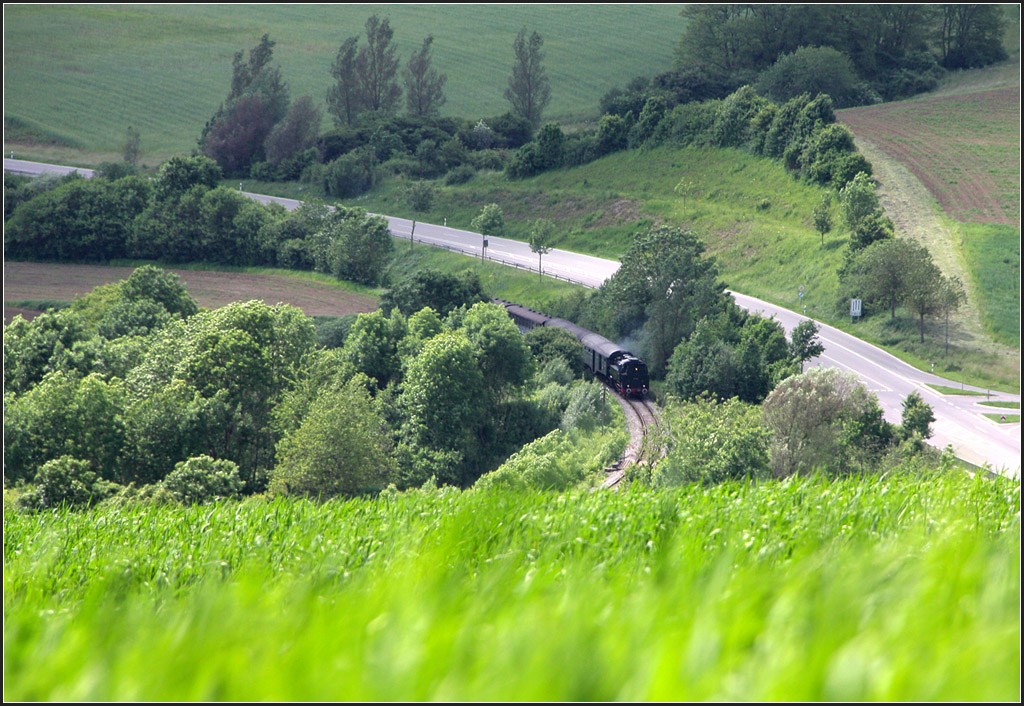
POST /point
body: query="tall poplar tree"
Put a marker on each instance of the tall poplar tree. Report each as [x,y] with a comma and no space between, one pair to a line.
[424,86]
[378,67]
[529,90]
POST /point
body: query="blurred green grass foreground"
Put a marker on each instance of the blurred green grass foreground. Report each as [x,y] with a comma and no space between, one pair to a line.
[900,587]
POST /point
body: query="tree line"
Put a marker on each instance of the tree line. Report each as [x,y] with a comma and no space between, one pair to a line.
[259,131]
[133,394]
[184,216]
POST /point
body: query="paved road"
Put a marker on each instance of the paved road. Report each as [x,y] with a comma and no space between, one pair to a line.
[959,422]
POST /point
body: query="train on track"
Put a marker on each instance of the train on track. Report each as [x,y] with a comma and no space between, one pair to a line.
[608,361]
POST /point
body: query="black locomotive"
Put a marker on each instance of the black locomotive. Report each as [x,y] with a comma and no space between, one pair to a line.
[608,361]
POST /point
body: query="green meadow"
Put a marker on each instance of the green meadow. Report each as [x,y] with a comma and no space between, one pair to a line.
[903,587]
[77,76]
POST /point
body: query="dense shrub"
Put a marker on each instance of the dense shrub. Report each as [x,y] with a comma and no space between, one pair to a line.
[203,479]
[712,442]
[66,481]
[587,407]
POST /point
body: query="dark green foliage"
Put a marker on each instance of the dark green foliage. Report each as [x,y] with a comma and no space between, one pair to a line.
[83,219]
[612,134]
[648,121]
[372,346]
[351,244]
[430,288]
[424,86]
[378,67]
[350,175]
[712,442]
[331,331]
[203,479]
[116,170]
[64,415]
[529,89]
[296,133]
[862,214]
[971,35]
[66,481]
[443,402]
[731,355]
[665,285]
[420,196]
[502,355]
[209,385]
[890,47]
[258,99]
[813,70]
[179,174]
[804,343]
[917,416]
[32,348]
[548,344]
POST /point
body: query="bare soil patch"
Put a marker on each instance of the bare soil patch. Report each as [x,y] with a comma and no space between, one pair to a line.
[25,281]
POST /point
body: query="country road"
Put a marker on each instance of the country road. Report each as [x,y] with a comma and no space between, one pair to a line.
[959,418]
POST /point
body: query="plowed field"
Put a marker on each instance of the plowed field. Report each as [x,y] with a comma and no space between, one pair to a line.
[965,149]
[25,281]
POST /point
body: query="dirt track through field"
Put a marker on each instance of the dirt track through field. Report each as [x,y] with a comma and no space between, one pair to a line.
[40,281]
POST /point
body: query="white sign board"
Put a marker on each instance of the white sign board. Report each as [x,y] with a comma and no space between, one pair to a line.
[855,307]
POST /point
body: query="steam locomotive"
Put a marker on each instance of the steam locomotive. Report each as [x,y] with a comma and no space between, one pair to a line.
[608,361]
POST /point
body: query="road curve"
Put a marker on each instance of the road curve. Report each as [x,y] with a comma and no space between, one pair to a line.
[958,419]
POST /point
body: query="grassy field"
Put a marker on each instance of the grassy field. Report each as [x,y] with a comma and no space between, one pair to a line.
[902,588]
[315,294]
[77,76]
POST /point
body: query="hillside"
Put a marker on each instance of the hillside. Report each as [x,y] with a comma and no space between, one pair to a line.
[948,166]
[76,77]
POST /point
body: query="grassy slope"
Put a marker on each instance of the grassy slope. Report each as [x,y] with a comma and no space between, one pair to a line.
[78,76]
[959,145]
[754,217]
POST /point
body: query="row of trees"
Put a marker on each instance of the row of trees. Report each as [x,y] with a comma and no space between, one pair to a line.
[821,421]
[890,51]
[259,128]
[184,216]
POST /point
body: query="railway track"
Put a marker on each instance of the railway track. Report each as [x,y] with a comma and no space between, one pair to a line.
[642,421]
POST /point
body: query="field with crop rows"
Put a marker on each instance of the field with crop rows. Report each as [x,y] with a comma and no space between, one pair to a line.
[77,76]
[900,588]
[29,281]
[964,148]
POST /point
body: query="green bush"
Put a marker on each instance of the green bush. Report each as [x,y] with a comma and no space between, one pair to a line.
[712,442]
[202,479]
[66,481]
[552,462]
[587,408]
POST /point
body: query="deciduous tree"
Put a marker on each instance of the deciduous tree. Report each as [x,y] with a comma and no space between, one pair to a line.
[541,233]
[378,68]
[424,86]
[529,89]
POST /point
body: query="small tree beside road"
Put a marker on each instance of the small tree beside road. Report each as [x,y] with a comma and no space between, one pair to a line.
[541,234]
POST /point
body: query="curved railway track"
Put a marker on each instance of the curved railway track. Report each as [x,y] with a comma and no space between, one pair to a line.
[642,421]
